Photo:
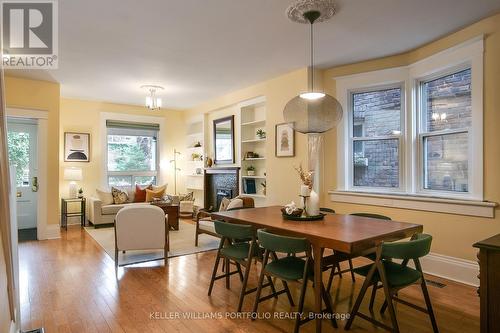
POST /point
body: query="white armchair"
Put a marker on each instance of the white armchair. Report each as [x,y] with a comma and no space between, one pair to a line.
[140,227]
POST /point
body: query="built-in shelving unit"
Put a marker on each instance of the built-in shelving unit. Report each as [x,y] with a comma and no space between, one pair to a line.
[253,148]
[195,146]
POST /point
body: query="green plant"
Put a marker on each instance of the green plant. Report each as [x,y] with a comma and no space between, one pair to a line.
[250,168]
[261,133]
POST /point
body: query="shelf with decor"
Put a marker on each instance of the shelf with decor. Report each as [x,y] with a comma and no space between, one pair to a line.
[253,149]
[194,154]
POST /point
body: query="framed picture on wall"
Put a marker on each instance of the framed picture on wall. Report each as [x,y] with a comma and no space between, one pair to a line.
[284,140]
[76,147]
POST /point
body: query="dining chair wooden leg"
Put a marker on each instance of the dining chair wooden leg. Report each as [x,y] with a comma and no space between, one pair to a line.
[214,273]
[116,259]
[359,299]
[352,271]
[300,308]
[287,290]
[330,278]
[388,297]
[372,298]
[238,267]
[259,285]
[271,284]
[244,284]
[228,276]
[339,270]
[429,306]
[383,307]
[329,305]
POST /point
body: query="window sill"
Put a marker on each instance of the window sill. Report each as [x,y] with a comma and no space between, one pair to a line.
[415,202]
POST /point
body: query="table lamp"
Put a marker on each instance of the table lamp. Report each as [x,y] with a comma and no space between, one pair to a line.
[73,175]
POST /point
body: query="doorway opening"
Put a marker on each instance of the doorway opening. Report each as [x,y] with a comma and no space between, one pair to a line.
[22,144]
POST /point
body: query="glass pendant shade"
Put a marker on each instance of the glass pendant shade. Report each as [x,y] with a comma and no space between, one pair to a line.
[316,115]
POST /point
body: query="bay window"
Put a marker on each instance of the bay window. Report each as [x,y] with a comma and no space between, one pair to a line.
[415,130]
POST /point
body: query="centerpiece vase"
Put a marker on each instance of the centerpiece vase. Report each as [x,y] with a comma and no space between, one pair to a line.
[315,141]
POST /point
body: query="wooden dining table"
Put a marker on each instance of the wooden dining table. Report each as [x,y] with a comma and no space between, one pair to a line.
[345,233]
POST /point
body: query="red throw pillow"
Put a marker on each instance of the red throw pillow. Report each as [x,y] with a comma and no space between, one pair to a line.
[140,193]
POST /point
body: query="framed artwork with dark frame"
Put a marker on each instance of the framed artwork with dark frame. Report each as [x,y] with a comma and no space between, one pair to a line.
[76,147]
[224,140]
[284,140]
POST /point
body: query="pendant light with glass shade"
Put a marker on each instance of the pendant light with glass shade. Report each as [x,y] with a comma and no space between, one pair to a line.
[312,112]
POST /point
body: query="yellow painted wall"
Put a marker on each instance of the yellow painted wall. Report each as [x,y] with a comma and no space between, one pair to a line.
[453,234]
[282,181]
[85,116]
[45,96]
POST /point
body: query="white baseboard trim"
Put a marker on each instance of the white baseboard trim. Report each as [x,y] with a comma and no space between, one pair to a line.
[52,231]
[451,268]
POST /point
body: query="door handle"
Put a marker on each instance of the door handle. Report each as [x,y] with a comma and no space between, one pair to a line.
[34,184]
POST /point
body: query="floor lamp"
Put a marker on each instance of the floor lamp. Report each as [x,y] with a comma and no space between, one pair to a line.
[174,161]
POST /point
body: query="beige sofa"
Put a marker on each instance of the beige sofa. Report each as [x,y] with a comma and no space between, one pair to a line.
[105,214]
[101,214]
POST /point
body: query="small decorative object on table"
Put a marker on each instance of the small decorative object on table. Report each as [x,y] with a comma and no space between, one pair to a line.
[80,193]
[261,134]
[309,196]
[292,210]
[197,144]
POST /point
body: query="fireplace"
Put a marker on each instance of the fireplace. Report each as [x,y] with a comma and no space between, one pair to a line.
[220,183]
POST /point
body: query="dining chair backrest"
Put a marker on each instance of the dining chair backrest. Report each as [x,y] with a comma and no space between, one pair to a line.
[373,216]
[417,247]
[233,231]
[282,244]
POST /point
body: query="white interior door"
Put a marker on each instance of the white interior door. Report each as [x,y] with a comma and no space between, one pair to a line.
[22,145]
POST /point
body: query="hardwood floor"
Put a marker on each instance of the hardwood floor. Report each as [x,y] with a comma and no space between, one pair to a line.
[69,285]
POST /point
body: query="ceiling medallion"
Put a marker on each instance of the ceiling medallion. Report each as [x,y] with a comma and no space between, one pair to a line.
[296,11]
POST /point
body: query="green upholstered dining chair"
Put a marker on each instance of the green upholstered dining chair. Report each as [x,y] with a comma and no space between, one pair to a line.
[238,246]
[394,277]
[288,269]
[333,262]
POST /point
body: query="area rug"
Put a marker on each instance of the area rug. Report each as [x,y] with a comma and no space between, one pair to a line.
[181,243]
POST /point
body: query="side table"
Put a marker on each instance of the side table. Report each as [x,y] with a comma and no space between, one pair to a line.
[65,214]
[171,210]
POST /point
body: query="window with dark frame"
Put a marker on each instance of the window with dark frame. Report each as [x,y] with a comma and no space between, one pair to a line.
[132,153]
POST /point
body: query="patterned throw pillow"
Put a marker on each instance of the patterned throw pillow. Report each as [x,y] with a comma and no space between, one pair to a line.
[187,197]
[223,204]
[119,196]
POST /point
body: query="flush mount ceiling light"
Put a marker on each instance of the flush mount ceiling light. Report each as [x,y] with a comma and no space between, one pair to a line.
[152,102]
[312,111]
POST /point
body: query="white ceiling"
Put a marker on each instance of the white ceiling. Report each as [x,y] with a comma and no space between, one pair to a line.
[200,49]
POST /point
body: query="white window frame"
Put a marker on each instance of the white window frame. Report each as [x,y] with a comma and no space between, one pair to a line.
[466,55]
[423,133]
[401,141]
